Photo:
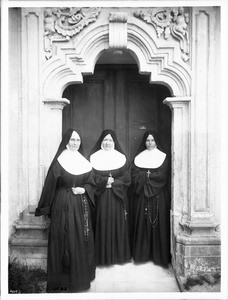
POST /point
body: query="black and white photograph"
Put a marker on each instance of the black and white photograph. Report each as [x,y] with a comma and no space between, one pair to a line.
[114,149]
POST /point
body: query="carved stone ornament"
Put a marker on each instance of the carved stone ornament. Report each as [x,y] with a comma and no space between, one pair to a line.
[169,21]
[118,17]
[60,24]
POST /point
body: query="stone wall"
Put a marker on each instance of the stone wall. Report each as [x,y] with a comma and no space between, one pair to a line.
[16,183]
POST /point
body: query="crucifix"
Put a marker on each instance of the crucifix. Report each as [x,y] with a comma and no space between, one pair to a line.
[148,173]
[109,185]
[125,214]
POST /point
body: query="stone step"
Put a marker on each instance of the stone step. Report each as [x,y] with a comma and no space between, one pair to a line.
[31,231]
[28,244]
[20,242]
[29,251]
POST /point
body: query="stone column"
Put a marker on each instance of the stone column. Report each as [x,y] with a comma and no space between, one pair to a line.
[29,177]
[180,107]
[41,121]
[198,242]
[51,134]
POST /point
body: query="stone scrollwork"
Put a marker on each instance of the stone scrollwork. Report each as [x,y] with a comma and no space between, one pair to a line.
[60,24]
[158,17]
[71,20]
[179,30]
[169,21]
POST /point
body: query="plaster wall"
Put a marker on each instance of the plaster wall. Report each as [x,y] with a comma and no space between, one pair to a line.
[16,205]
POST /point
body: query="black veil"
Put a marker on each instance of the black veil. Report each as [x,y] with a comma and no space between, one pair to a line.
[102,136]
[142,145]
[62,146]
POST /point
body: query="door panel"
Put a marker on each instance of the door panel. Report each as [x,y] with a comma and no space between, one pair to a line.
[119,98]
[143,112]
[86,110]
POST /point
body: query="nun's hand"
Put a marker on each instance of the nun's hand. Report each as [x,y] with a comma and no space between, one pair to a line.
[78,190]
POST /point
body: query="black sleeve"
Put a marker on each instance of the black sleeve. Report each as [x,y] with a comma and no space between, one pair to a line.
[121,184]
[48,192]
[90,187]
[151,184]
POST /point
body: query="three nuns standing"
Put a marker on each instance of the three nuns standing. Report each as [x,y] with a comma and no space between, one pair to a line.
[104,211]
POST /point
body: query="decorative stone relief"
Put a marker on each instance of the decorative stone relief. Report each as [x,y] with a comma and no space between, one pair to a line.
[169,21]
[62,23]
[118,17]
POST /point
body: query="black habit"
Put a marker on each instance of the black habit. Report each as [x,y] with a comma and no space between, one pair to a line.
[111,228]
[150,209]
[70,261]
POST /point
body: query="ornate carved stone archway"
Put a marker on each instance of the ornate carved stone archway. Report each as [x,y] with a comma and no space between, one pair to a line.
[69,42]
[76,55]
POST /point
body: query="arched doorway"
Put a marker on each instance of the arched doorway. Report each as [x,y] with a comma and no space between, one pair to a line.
[159,65]
[118,97]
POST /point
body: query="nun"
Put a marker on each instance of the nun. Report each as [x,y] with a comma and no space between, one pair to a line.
[113,178]
[150,203]
[67,199]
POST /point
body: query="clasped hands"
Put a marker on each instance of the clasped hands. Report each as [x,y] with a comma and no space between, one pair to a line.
[109,182]
[78,190]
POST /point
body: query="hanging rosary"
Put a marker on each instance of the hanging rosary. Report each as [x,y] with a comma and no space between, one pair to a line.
[148,212]
[86,217]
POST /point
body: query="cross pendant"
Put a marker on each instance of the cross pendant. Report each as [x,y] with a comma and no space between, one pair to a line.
[148,173]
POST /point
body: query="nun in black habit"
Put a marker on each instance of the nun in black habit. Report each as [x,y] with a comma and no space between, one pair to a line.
[150,203]
[113,178]
[68,198]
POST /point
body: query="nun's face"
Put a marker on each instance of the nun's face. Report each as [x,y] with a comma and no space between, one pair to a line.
[150,142]
[108,143]
[74,142]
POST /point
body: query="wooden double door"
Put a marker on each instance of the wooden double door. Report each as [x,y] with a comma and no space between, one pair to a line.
[117,97]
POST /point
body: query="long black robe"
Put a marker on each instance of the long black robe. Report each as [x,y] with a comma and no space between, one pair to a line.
[150,210]
[70,261]
[112,245]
